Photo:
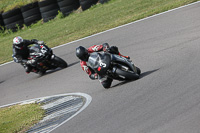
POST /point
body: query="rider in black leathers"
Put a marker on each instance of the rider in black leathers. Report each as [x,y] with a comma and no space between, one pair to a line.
[21,52]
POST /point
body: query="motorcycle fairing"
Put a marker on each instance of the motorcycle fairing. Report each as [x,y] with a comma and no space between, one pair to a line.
[99,62]
[122,60]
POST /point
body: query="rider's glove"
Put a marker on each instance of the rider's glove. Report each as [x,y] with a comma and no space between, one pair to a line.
[36,41]
[113,50]
[94,76]
[30,62]
[105,46]
[40,42]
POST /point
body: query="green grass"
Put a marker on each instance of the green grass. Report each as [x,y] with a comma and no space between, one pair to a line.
[81,24]
[19,118]
[6,5]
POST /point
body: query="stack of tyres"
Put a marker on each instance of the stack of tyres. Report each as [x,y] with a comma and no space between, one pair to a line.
[49,9]
[31,13]
[68,6]
[86,4]
[1,23]
[103,1]
[13,18]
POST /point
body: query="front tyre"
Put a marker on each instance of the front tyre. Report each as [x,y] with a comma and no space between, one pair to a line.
[126,75]
[58,62]
[138,71]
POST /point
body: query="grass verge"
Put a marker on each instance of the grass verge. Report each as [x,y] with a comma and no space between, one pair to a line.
[81,24]
[6,5]
[19,118]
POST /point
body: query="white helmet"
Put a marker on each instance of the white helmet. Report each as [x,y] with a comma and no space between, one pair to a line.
[18,42]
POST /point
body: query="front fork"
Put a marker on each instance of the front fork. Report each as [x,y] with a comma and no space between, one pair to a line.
[134,67]
[125,68]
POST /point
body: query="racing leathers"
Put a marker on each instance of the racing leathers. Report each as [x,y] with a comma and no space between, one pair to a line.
[21,54]
[104,80]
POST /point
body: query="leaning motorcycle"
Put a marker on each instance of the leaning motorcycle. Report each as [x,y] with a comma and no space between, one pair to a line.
[45,59]
[114,66]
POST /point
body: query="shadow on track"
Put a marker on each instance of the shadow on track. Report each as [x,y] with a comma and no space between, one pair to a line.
[72,64]
[119,84]
[58,69]
[1,82]
[144,74]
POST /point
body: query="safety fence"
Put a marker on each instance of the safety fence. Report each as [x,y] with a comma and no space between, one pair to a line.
[46,10]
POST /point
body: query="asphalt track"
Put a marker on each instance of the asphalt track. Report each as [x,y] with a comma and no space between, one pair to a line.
[166,99]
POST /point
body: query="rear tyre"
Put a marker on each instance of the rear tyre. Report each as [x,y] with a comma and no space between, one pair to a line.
[41,73]
[60,62]
[127,75]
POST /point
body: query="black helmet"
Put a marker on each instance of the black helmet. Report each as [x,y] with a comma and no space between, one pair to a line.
[82,53]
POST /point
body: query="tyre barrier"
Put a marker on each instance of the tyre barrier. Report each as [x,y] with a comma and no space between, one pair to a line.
[46,10]
[13,18]
[68,6]
[86,4]
[103,1]
[49,9]
[31,13]
[1,22]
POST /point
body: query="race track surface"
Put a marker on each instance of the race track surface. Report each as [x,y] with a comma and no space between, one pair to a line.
[166,99]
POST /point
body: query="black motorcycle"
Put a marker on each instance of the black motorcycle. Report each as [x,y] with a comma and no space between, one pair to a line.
[45,59]
[114,66]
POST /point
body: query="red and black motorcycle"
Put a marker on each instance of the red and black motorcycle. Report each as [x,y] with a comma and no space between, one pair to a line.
[45,59]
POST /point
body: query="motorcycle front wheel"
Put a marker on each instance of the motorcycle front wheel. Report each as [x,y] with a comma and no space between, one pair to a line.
[59,62]
[127,75]
[138,71]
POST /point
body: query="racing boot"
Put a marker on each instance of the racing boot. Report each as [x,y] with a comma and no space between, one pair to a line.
[27,69]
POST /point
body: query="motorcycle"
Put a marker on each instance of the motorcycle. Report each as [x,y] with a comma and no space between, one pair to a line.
[45,59]
[114,66]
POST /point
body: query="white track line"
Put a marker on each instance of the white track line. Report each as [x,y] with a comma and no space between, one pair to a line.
[118,27]
[87,102]
[41,98]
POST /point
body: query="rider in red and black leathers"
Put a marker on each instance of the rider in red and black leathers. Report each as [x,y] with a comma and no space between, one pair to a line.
[21,52]
[83,55]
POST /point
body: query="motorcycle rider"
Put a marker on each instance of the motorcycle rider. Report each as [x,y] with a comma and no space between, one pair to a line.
[83,54]
[21,52]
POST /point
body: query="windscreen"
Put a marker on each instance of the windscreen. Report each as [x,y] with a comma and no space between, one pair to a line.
[93,60]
